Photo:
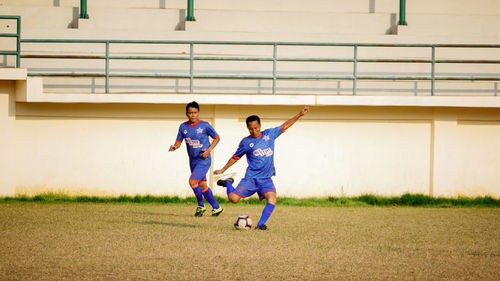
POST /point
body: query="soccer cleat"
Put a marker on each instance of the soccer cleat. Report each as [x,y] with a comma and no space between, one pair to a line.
[216,212]
[261,227]
[222,182]
[199,211]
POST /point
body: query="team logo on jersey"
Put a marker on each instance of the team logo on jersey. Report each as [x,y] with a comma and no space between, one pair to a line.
[199,130]
[185,131]
[266,137]
[194,143]
[263,152]
[251,144]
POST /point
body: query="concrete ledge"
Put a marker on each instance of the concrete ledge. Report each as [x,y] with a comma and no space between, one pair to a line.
[13,74]
[425,101]
[34,94]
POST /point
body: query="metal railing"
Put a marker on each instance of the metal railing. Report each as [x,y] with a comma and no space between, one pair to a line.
[274,76]
[275,59]
[17,35]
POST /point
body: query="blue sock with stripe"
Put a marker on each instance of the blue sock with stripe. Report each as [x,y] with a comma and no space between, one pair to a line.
[229,187]
[199,195]
[210,198]
[266,213]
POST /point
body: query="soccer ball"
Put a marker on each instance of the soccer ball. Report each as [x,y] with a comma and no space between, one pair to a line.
[243,222]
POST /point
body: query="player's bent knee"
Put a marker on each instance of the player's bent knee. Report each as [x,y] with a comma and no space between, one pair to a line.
[271,198]
[193,183]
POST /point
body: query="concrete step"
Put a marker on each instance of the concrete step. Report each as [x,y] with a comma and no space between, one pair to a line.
[454,7]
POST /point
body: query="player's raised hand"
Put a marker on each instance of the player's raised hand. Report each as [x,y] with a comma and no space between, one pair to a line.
[304,111]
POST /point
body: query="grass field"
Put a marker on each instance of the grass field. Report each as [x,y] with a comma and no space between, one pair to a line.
[88,241]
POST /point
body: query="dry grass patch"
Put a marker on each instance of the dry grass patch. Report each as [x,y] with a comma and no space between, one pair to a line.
[86,241]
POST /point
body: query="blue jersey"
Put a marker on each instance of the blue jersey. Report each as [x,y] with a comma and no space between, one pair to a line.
[196,136]
[260,153]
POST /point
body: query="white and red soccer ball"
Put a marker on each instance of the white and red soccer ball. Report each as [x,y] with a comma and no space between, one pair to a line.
[243,222]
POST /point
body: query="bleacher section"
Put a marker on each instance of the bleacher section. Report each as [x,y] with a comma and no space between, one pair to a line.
[66,129]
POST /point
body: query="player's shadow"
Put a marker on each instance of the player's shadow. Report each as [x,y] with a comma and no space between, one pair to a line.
[156,214]
[169,223]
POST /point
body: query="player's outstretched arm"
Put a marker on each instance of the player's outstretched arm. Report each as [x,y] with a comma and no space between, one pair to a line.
[228,164]
[292,120]
[175,146]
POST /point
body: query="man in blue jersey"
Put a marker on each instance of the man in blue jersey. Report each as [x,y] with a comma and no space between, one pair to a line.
[196,132]
[259,149]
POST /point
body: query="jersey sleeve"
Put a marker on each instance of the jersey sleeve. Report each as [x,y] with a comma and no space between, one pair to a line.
[179,135]
[277,131]
[211,131]
[242,150]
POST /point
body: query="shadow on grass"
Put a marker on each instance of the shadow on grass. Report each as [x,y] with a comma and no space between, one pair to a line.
[158,214]
[170,224]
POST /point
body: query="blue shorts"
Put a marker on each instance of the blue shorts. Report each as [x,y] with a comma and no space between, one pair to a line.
[248,186]
[199,169]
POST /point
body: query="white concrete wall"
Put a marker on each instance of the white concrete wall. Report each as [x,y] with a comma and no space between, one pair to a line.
[111,149]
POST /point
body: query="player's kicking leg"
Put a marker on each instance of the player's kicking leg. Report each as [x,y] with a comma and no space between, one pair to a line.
[228,184]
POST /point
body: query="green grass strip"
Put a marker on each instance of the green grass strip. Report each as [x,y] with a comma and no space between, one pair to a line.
[407,199]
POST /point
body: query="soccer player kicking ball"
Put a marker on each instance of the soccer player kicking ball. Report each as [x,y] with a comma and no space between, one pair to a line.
[259,149]
[196,133]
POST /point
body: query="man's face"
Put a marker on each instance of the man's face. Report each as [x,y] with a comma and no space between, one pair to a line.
[193,115]
[254,128]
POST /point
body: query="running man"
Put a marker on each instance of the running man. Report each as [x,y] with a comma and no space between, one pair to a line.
[196,133]
[259,149]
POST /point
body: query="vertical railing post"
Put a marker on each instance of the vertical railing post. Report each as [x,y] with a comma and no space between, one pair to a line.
[355,70]
[18,47]
[191,70]
[433,69]
[106,82]
[83,9]
[275,52]
[190,11]
[402,12]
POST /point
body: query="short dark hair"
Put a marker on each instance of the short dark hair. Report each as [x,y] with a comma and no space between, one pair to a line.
[252,118]
[192,104]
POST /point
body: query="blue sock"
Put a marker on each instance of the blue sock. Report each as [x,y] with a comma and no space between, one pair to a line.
[229,187]
[266,213]
[210,198]
[199,195]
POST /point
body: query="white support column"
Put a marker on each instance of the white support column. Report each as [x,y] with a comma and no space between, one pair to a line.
[7,119]
[444,158]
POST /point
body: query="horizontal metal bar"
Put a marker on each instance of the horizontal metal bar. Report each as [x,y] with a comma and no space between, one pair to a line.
[289,77]
[270,43]
[233,58]
[147,58]
[468,78]
[396,60]
[409,78]
[258,59]
[9,35]
[60,57]
[66,74]
[10,17]
[467,61]
[314,60]
[8,53]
